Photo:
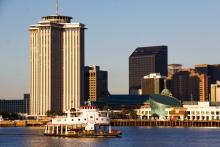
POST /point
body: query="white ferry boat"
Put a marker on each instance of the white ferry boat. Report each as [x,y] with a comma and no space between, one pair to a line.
[87,121]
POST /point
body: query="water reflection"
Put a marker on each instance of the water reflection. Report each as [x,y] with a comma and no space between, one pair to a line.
[132,136]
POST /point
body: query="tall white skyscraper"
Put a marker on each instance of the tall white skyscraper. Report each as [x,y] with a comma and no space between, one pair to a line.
[56,64]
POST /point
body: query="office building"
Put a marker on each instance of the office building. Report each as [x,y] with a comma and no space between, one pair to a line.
[27,103]
[15,105]
[56,64]
[173,68]
[188,85]
[152,84]
[146,60]
[212,71]
[96,83]
[215,92]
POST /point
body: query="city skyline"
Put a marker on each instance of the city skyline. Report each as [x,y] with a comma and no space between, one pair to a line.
[113,28]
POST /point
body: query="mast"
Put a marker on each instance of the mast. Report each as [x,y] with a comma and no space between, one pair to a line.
[57,8]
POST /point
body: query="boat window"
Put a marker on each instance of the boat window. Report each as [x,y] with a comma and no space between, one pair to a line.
[91,116]
[79,119]
[72,119]
[73,114]
[97,119]
[84,118]
[77,114]
[102,114]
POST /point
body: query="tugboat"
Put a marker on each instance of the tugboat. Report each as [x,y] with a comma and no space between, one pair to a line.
[87,121]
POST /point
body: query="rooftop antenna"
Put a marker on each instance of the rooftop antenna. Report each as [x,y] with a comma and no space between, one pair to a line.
[57,8]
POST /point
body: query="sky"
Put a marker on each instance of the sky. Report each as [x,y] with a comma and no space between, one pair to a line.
[190,29]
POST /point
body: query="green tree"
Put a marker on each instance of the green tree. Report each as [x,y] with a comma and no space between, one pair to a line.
[155,116]
[133,114]
[54,113]
[124,113]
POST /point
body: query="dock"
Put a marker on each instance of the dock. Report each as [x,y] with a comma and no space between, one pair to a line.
[165,123]
[22,123]
[125,122]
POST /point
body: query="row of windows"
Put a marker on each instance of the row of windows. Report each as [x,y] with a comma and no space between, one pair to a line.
[86,119]
[205,118]
[205,112]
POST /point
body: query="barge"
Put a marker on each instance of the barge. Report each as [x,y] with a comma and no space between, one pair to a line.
[87,121]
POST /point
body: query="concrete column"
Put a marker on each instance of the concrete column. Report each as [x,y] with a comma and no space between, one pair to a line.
[190,115]
[61,131]
[46,130]
[57,129]
[66,129]
[214,114]
[148,114]
[110,129]
[53,129]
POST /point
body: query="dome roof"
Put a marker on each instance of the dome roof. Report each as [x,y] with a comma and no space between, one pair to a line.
[165,100]
[166,92]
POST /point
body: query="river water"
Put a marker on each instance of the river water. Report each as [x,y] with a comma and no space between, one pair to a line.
[132,137]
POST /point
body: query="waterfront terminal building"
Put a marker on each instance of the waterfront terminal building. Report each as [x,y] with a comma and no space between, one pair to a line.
[144,105]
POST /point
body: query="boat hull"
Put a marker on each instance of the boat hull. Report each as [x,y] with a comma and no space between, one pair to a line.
[94,135]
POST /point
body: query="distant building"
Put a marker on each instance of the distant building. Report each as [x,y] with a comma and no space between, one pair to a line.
[202,111]
[188,85]
[15,105]
[173,68]
[27,103]
[215,92]
[96,83]
[212,71]
[146,60]
[57,63]
[152,84]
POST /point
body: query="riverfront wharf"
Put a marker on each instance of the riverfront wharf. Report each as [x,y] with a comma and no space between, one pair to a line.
[22,123]
[126,122]
[165,123]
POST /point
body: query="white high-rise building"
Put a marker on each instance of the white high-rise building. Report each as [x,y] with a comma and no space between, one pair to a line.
[56,64]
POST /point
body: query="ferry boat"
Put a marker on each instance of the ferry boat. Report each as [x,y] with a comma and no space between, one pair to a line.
[87,121]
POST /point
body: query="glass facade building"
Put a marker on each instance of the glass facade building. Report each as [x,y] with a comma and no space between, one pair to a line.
[159,103]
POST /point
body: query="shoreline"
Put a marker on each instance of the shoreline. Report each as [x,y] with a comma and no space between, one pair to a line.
[123,122]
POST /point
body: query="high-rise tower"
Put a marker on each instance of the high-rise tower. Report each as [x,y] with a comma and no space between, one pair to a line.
[96,83]
[56,64]
[146,60]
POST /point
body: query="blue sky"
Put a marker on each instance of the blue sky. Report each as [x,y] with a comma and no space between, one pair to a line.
[190,28]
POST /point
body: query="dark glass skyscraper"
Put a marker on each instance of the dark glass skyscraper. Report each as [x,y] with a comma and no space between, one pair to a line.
[146,60]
